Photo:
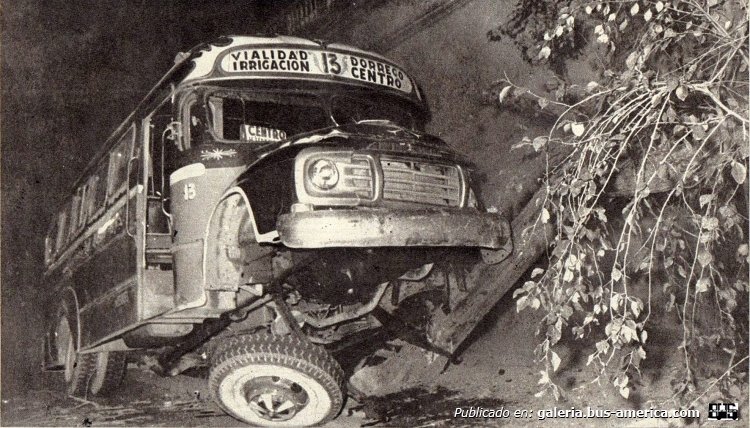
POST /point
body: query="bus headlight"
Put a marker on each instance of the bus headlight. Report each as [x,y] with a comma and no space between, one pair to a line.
[323,174]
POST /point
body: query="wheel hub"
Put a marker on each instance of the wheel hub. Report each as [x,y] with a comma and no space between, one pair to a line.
[275,399]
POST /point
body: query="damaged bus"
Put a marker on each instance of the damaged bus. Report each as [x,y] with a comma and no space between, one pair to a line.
[270,201]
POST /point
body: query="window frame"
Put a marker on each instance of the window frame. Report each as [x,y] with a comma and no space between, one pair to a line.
[61,239]
[112,192]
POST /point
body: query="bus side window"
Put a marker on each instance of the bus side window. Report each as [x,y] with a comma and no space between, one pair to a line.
[61,229]
[49,244]
[99,190]
[87,206]
[83,193]
[118,164]
[75,206]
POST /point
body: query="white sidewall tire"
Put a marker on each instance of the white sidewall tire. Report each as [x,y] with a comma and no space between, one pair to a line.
[231,395]
[246,359]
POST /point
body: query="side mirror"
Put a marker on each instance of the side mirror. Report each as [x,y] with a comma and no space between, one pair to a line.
[173,131]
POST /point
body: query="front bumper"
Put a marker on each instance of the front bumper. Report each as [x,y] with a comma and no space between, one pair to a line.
[394,228]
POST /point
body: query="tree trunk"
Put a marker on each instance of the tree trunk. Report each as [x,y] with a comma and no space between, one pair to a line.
[488,283]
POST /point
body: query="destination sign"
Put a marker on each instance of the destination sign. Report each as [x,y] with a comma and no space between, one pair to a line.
[316,63]
[261,134]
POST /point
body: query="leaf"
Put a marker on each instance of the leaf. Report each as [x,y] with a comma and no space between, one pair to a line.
[539,143]
[590,359]
[544,379]
[625,392]
[588,10]
[660,6]
[504,93]
[739,172]
[635,308]
[611,17]
[555,361]
[544,52]
[568,275]
[599,29]
[742,250]
[710,223]
[705,199]
[603,38]
[623,24]
[681,92]
[577,128]
[522,303]
[591,86]
[616,274]
[614,302]
[644,336]
[705,258]
[681,271]
[545,216]
[536,303]
[702,285]
[543,102]
[647,16]
[634,9]
[537,272]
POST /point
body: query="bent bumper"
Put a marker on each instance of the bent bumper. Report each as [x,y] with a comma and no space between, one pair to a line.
[393,228]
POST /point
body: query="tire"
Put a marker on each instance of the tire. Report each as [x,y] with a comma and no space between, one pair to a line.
[78,368]
[268,380]
[109,371]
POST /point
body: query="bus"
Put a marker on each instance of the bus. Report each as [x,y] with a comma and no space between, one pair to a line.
[270,200]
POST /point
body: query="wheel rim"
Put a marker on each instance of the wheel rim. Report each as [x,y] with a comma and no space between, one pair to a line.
[66,345]
[274,395]
[275,399]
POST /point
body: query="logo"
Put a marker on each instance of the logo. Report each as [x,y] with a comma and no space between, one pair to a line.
[723,411]
[218,154]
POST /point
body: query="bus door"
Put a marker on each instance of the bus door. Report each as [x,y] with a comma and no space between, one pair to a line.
[157,294]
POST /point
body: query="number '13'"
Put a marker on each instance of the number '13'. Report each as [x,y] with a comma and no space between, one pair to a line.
[188,192]
[331,64]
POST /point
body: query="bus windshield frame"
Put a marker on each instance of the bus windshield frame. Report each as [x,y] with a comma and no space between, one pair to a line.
[279,113]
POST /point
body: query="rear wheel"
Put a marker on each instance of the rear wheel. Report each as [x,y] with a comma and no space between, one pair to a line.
[109,372]
[270,380]
[79,368]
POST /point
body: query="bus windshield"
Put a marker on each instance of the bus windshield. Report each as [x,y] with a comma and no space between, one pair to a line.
[264,117]
[260,119]
[347,109]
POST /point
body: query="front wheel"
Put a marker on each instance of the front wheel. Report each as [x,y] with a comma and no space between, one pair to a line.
[270,380]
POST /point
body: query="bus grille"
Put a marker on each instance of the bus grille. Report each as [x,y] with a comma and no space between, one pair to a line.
[420,182]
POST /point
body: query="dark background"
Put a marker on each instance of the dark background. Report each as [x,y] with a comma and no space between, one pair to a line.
[71,72]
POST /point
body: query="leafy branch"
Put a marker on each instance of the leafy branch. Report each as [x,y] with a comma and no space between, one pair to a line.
[646,198]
